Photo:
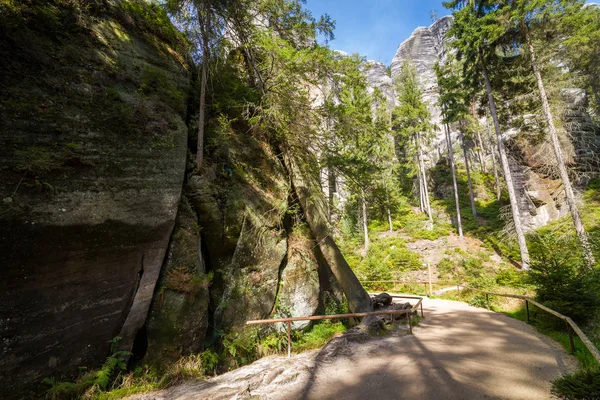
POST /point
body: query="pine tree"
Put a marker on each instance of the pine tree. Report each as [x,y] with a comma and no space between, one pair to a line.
[453,99]
[493,148]
[477,33]
[579,28]
[413,121]
[203,20]
[448,82]
[362,132]
[523,14]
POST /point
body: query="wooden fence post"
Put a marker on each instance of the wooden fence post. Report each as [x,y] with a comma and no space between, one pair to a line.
[570,337]
[289,332]
[430,285]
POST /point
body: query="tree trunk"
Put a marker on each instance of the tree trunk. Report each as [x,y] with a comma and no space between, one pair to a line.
[455,185]
[514,206]
[494,167]
[306,187]
[365,224]
[471,194]
[204,21]
[389,213]
[480,154]
[331,191]
[562,169]
[424,178]
[421,197]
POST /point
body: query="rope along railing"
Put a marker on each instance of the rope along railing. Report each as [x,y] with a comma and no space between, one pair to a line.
[570,325]
[289,321]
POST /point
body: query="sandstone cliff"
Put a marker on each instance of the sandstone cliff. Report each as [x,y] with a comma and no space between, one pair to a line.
[96,239]
[93,141]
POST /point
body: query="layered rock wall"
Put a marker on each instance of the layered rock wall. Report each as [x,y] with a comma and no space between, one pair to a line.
[93,145]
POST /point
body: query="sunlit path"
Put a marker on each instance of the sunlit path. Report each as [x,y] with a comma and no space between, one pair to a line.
[457,352]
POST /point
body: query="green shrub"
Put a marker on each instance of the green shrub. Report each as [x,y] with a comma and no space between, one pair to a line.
[446,267]
[319,335]
[210,361]
[562,280]
[99,380]
[510,277]
[580,385]
[478,300]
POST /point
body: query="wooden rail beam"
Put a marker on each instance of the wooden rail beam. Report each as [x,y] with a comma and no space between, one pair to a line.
[289,321]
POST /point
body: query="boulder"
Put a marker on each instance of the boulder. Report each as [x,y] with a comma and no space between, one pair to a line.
[382,300]
[252,278]
[299,289]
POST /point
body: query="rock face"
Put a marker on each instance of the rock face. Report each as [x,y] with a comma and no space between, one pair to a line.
[377,77]
[93,154]
[178,319]
[425,47]
[540,191]
[240,199]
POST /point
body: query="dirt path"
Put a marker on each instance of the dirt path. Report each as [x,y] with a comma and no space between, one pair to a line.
[457,352]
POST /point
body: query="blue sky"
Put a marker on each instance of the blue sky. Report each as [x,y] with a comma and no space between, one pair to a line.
[375,28]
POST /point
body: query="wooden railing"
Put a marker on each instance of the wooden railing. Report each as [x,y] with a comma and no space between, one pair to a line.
[570,325]
[289,321]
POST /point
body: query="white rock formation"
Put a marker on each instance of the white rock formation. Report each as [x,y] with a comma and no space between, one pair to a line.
[425,47]
[377,77]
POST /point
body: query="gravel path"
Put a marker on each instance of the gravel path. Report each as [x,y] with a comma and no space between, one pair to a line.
[457,352]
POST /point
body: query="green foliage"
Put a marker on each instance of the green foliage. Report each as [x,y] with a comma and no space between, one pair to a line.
[210,360]
[151,18]
[319,335]
[386,259]
[411,117]
[358,147]
[478,300]
[411,124]
[97,381]
[583,384]
[154,82]
[468,268]
[562,280]
[511,277]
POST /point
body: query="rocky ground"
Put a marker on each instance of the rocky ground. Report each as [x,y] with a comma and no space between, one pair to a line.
[457,352]
[434,251]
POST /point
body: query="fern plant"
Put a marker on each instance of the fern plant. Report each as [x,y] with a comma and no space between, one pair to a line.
[101,379]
